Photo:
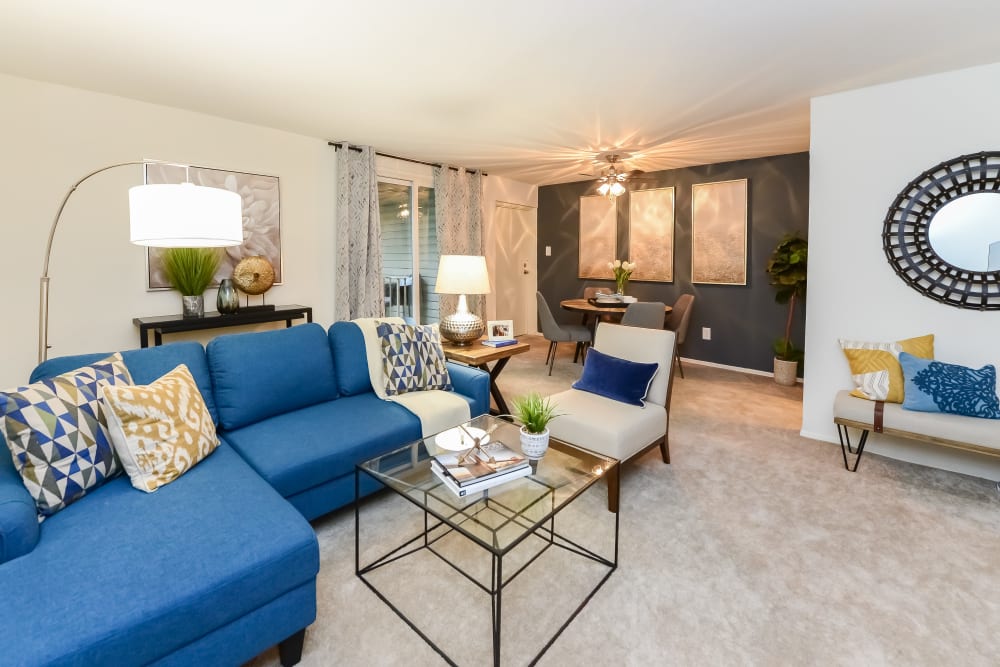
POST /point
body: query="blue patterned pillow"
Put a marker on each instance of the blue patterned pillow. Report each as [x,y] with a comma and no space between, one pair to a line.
[932,386]
[57,433]
[412,358]
[616,378]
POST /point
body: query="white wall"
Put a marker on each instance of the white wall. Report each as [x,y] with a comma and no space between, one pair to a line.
[52,135]
[866,146]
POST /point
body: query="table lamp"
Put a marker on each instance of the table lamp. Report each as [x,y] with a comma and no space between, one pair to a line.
[461,275]
[176,215]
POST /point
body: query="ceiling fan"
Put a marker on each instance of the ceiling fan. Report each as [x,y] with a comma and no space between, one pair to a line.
[611,182]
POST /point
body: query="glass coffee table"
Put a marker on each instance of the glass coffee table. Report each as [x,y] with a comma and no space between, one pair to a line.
[514,521]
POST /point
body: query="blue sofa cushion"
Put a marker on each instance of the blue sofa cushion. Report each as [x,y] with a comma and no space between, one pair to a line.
[348,345]
[18,515]
[145,365]
[303,449]
[260,375]
[132,577]
[57,433]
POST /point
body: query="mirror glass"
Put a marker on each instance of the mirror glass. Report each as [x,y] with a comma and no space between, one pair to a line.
[965,232]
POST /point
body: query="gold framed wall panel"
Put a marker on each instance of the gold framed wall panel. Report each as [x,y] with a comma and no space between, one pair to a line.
[651,234]
[598,236]
[719,232]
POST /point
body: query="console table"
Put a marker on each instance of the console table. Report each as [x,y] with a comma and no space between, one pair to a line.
[164,324]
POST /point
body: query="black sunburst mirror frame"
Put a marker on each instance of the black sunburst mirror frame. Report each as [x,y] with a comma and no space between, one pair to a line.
[905,232]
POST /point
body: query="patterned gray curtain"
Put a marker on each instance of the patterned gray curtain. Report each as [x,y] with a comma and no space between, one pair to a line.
[458,207]
[359,237]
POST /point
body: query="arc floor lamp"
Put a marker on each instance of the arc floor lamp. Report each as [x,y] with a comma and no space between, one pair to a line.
[162,215]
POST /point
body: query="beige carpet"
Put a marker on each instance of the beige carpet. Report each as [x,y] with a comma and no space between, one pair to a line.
[754,546]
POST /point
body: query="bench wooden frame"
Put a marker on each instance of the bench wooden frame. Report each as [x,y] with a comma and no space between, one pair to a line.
[866,427]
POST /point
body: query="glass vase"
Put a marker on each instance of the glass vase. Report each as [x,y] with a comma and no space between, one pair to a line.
[227,301]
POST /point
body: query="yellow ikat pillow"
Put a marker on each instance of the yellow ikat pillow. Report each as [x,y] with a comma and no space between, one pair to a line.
[875,367]
[160,430]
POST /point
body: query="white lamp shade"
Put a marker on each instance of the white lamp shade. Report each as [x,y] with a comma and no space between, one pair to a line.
[462,274]
[184,215]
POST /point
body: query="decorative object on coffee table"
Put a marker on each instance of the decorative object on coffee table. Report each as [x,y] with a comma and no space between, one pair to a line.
[461,275]
[190,272]
[254,275]
[227,301]
[534,413]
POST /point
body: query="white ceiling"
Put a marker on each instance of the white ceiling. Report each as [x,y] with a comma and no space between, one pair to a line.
[526,89]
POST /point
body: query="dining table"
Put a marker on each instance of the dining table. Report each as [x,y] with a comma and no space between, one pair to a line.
[610,313]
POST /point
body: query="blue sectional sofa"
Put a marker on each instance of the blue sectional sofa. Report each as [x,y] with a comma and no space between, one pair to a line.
[220,564]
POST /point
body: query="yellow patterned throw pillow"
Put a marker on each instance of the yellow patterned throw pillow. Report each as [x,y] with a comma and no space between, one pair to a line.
[160,430]
[875,367]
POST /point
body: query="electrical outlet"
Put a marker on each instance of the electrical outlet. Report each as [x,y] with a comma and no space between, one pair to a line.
[706,333]
[548,251]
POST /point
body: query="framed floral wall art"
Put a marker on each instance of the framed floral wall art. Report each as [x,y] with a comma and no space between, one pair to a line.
[261,217]
[719,232]
[651,234]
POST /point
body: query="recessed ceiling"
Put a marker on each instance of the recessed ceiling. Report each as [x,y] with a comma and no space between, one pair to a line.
[530,90]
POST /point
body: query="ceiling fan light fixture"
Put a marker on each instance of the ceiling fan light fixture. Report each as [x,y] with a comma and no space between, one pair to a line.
[603,188]
[617,189]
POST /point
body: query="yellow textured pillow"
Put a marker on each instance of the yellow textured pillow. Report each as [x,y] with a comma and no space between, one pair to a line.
[160,430]
[875,367]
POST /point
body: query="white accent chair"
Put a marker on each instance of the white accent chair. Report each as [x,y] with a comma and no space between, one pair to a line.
[614,428]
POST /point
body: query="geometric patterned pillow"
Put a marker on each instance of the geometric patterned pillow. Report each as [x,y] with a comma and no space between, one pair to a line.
[57,433]
[160,430]
[875,367]
[412,358]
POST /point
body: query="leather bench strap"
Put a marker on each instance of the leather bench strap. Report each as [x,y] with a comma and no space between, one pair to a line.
[879,414]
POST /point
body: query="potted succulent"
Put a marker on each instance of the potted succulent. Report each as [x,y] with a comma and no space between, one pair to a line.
[190,271]
[534,413]
[787,268]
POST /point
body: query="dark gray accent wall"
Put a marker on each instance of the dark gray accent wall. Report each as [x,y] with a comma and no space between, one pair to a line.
[744,320]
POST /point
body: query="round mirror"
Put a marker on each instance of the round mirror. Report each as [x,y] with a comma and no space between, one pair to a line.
[963,231]
[942,233]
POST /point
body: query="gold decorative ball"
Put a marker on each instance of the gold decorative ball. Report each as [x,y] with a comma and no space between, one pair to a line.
[253,275]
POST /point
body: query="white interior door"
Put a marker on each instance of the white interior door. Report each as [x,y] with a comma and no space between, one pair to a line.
[516,276]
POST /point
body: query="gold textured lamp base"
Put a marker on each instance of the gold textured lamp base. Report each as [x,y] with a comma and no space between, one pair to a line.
[462,328]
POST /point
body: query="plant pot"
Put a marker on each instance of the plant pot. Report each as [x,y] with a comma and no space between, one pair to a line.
[785,372]
[534,445]
[193,306]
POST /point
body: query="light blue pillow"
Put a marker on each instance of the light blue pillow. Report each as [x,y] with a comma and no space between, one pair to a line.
[933,386]
[615,378]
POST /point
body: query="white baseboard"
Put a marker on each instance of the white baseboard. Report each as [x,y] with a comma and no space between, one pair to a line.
[737,369]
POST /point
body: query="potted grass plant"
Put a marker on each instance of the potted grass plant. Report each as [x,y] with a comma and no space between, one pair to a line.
[534,413]
[190,271]
[787,268]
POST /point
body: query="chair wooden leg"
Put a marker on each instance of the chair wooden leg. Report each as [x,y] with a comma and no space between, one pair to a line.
[552,363]
[677,356]
[665,450]
[576,353]
[552,346]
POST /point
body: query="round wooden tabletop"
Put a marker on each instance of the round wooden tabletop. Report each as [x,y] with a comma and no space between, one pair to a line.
[584,306]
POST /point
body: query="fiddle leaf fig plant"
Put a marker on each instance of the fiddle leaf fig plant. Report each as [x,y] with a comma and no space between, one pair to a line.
[787,268]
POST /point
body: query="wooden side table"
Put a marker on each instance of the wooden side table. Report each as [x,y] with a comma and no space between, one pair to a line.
[480,356]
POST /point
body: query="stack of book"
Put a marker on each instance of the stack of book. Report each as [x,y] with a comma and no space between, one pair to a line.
[494,463]
[500,343]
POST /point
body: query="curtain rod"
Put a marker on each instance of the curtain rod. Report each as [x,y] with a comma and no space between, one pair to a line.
[337,146]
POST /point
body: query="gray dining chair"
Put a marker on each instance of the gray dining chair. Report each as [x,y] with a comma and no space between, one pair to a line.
[646,314]
[678,322]
[557,333]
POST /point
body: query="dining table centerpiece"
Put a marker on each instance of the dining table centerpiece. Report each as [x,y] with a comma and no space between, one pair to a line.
[622,268]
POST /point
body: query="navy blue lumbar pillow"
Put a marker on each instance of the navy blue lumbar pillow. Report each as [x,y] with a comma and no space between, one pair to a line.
[615,378]
[932,386]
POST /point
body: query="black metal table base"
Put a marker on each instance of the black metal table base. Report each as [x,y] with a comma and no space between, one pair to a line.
[434,530]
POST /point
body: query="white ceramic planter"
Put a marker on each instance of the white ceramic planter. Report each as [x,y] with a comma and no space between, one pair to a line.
[534,445]
[785,372]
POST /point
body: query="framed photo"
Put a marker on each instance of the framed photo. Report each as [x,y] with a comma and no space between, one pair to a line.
[719,233]
[261,217]
[598,236]
[500,329]
[651,234]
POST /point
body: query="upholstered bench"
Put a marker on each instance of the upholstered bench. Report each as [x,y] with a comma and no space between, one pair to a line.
[972,434]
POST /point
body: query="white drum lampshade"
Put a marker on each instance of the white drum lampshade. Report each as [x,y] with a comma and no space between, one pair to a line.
[184,215]
[461,275]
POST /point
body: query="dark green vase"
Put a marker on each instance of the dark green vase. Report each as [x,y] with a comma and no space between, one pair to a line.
[227,301]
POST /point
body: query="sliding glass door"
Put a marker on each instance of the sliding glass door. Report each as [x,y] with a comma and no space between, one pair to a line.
[409,250]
